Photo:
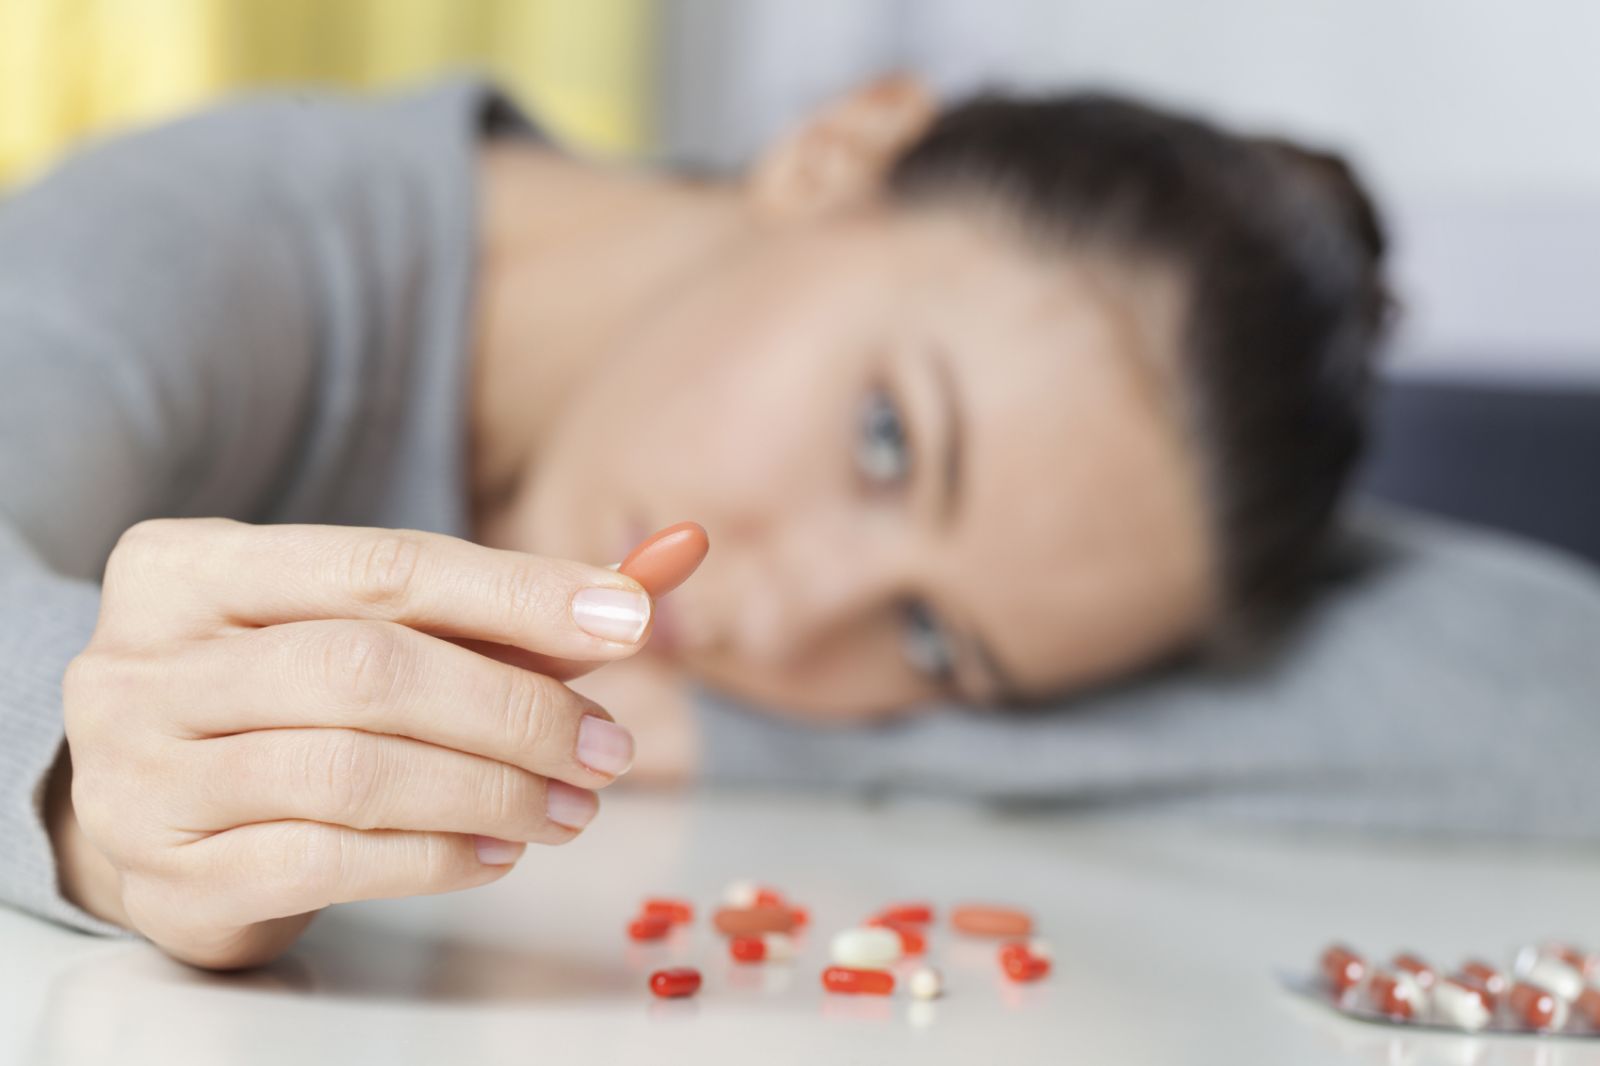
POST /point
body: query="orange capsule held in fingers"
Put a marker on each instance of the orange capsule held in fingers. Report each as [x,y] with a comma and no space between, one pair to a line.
[676,911]
[664,560]
[987,920]
[852,982]
[676,982]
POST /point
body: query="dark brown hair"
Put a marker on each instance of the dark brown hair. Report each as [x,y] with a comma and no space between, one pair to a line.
[1281,250]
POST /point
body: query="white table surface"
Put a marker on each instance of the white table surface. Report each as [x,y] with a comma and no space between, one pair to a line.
[1166,940]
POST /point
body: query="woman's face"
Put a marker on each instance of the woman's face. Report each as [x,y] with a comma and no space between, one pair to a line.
[932,463]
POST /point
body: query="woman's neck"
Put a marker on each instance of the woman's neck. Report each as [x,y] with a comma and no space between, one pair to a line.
[570,256]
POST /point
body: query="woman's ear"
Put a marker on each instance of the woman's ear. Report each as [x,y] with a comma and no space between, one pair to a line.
[838,157]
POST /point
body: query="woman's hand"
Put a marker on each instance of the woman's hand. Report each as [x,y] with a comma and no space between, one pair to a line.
[272,719]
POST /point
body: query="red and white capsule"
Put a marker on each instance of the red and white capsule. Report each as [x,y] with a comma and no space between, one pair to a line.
[1537,1008]
[1486,977]
[1342,968]
[1020,963]
[1396,994]
[765,947]
[1460,1005]
[1410,962]
[912,939]
[1546,967]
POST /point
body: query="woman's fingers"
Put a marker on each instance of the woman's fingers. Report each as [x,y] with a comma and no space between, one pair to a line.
[189,577]
[371,781]
[275,869]
[381,677]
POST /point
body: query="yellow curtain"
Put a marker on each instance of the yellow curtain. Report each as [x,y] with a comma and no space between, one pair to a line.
[70,68]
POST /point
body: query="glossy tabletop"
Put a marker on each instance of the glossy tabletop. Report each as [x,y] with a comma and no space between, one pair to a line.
[1167,936]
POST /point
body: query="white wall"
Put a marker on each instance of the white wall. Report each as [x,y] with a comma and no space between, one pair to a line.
[1476,121]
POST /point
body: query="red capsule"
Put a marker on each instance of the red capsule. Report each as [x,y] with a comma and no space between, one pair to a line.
[767,897]
[1412,964]
[649,927]
[852,982]
[912,942]
[676,982]
[904,913]
[747,948]
[1484,976]
[676,911]
[1537,1008]
[1023,966]
[1395,994]
[1343,968]
[801,916]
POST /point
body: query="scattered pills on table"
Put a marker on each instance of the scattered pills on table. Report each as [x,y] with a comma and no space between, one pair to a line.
[852,981]
[925,983]
[1536,1007]
[1395,993]
[1410,962]
[1459,1004]
[989,920]
[768,947]
[1342,968]
[676,911]
[866,947]
[749,921]
[675,983]
[649,927]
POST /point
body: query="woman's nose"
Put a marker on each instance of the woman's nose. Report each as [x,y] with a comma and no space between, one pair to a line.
[812,578]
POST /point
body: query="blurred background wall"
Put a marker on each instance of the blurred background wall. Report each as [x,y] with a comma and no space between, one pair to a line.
[1474,120]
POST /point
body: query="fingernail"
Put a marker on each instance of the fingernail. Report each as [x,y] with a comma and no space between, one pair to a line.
[612,614]
[604,746]
[569,806]
[492,851]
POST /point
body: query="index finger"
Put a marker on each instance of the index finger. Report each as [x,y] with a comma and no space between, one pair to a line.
[267,575]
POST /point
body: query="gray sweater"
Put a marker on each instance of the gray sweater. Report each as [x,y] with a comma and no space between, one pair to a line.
[262,313]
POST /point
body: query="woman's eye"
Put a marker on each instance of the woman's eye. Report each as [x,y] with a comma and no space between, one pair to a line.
[926,646]
[881,440]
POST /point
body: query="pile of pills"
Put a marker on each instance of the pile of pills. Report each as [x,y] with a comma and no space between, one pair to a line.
[1548,988]
[761,924]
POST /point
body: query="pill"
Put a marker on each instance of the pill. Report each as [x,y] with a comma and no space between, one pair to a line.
[675,911]
[986,920]
[768,947]
[1552,975]
[912,942]
[1014,948]
[905,913]
[649,927]
[750,921]
[1588,1003]
[768,897]
[802,917]
[1342,968]
[1458,1004]
[740,894]
[664,560]
[676,982]
[1041,948]
[1486,977]
[867,947]
[1536,1007]
[1412,963]
[1395,993]
[925,983]
[1586,963]
[1024,966]
[851,981]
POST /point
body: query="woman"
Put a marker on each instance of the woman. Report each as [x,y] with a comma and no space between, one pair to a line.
[982,406]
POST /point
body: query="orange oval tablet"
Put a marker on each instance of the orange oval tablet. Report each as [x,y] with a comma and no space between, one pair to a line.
[750,921]
[664,560]
[985,920]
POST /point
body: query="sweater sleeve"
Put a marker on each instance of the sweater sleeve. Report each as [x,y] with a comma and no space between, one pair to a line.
[156,357]
[1454,688]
